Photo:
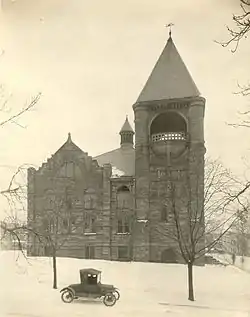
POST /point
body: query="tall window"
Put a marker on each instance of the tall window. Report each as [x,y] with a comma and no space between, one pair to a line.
[124,205]
[45,225]
[126,226]
[164,213]
[65,224]
[69,203]
[52,226]
[67,170]
[68,224]
[124,198]
[89,224]
[49,203]
[120,227]
[89,252]
[123,225]
[123,253]
[89,202]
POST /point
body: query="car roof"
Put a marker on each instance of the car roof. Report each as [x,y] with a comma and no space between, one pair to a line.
[90,271]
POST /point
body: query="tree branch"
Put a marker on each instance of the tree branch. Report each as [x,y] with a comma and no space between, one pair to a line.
[27,108]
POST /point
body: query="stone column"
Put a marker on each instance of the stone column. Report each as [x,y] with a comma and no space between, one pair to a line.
[106,221]
[141,234]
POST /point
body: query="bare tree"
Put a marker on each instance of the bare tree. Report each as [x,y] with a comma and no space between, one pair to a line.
[15,193]
[241,231]
[241,26]
[238,32]
[56,221]
[10,115]
[54,228]
[202,208]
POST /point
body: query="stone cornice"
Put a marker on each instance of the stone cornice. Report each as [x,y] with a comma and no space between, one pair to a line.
[170,103]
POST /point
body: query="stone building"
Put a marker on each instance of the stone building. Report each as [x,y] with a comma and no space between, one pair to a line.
[117,205]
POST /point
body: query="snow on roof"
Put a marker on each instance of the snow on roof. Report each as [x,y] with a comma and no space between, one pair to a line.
[116,172]
[122,159]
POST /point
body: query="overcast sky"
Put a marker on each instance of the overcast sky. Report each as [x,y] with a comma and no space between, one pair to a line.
[90,60]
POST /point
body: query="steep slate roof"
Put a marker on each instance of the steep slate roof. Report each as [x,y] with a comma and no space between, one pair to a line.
[170,78]
[126,126]
[123,159]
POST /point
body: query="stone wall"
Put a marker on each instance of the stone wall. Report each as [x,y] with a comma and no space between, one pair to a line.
[164,165]
[72,192]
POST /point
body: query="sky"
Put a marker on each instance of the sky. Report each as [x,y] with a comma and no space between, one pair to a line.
[91,59]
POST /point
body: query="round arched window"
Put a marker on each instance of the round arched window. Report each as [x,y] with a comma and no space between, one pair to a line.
[168,126]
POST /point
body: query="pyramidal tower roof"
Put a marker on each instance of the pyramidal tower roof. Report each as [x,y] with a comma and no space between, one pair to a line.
[170,78]
[126,126]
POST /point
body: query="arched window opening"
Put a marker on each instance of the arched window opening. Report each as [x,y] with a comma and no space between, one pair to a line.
[123,189]
[168,126]
[123,198]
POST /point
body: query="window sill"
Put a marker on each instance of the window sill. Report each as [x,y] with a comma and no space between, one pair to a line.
[90,233]
[123,233]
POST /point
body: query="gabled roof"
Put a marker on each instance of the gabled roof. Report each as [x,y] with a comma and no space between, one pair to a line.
[126,126]
[69,145]
[170,78]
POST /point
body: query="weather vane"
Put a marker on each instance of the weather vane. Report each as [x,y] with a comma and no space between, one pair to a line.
[169,26]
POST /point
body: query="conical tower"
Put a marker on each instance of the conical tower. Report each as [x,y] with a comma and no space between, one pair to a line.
[127,134]
[169,140]
[170,78]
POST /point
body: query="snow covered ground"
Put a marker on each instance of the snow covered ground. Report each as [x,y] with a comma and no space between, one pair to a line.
[147,289]
[227,259]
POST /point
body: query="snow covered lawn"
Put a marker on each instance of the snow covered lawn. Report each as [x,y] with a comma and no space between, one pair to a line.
[147,289]
[227,258]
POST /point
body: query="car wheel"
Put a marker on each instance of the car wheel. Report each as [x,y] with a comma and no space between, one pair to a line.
[117,295]
[109,299]
[67,297]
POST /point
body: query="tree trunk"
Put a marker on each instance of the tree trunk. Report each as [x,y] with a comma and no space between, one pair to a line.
[190,282]
[54,270]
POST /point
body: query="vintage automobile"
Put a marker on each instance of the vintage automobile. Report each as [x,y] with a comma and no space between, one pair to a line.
[90,287]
